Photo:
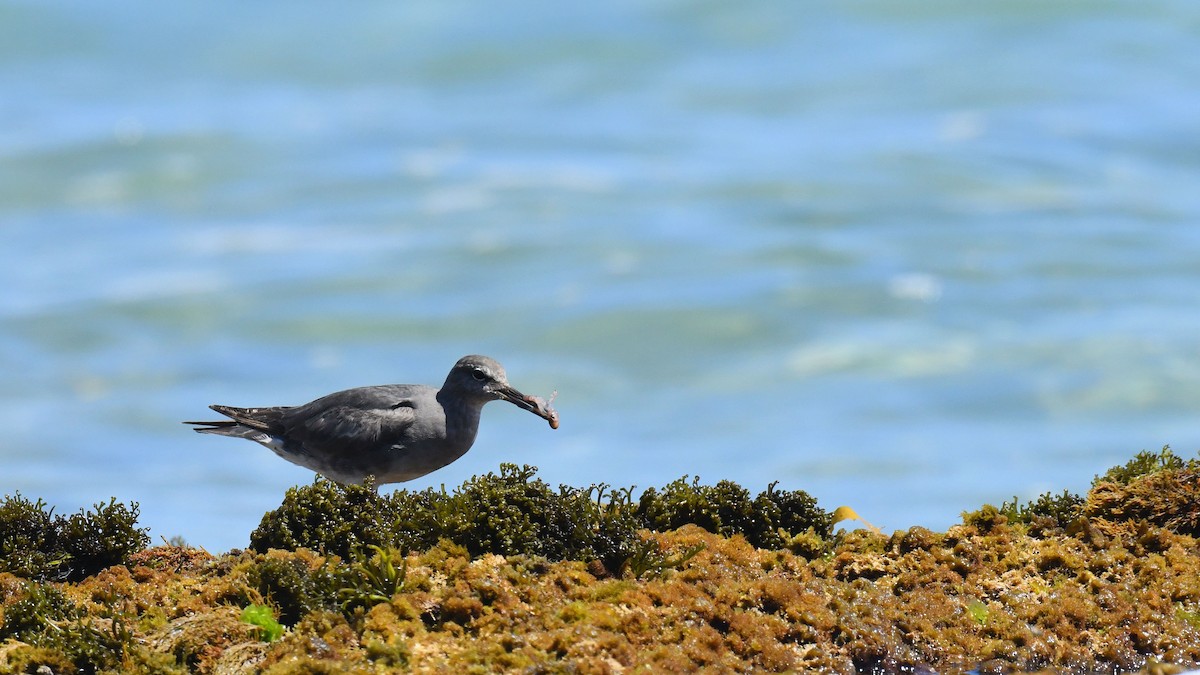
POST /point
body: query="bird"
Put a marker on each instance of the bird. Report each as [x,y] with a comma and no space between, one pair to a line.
[387,433]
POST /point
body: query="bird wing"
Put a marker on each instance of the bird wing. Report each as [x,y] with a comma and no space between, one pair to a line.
[355,419]
[344,425]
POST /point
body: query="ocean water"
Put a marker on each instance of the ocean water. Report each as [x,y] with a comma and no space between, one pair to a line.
[909,257]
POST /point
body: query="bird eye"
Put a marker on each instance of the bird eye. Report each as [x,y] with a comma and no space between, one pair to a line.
[479,375]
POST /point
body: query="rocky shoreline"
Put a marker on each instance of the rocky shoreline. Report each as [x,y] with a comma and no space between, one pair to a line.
[506,574]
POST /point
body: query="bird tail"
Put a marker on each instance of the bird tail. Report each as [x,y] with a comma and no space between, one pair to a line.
[252,423]
[212,427]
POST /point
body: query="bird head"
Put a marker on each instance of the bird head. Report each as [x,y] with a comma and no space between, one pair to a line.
[484,377]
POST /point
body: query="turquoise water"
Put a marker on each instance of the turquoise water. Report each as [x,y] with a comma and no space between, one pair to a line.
[907,257]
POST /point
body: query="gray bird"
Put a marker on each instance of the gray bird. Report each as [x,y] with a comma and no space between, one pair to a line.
[394,432]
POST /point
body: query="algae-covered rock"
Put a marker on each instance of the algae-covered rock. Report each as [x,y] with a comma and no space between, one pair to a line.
[506,574]
[510,513]
[770,520]
[1158,489]
[514,513]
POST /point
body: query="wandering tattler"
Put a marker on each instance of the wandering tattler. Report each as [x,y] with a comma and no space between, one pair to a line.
[394,432]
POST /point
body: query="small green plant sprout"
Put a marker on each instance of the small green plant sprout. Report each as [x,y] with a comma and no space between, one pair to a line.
[807,544]
[263,617]
[1189,616]
[843,513]
[376,578]
[978,611]
[648,558]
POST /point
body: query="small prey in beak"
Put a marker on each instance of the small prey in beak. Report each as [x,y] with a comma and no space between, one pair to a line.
[534,404]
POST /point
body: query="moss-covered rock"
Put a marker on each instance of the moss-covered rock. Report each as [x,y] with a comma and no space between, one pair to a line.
[1167,494]
[515,513]
[1107,582]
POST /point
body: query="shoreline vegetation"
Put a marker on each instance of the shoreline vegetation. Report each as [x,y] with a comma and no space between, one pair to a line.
[508,574]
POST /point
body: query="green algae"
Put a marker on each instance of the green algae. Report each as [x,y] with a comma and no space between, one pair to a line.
[1156,487]
[374,579]
[771,520]
[649,559]
[510,513]
[58,633]
[514,513]
[1048,510]
[263,617]
[1146,463]
[37,544]
[692,578]
[296,585]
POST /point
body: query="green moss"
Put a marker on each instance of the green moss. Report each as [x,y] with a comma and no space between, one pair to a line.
[512,513]
[35,543]
[509,513]
[322,643]
[390,653]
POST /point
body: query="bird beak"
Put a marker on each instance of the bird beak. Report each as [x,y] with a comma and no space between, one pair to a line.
[533,404]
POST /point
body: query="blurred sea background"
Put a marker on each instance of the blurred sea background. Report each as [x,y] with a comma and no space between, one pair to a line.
[909,257]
